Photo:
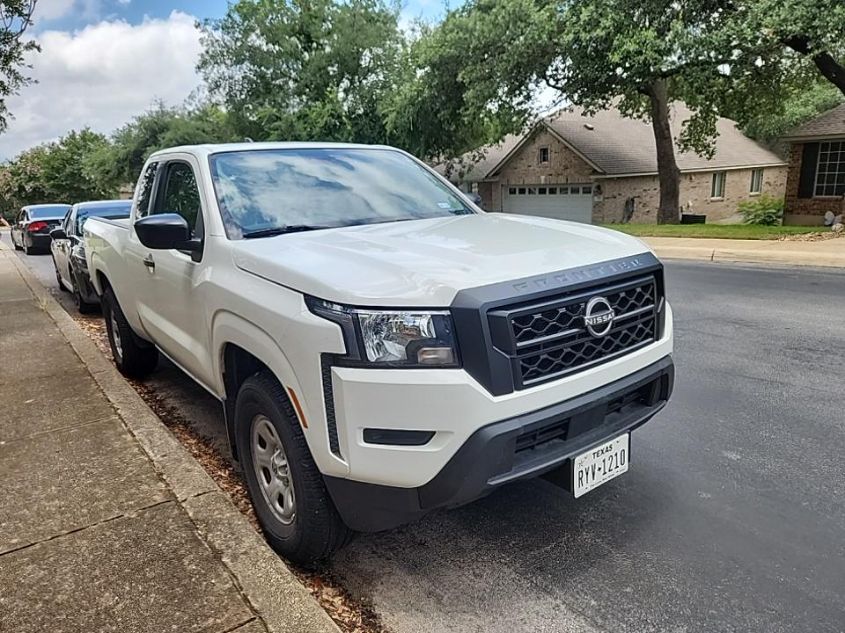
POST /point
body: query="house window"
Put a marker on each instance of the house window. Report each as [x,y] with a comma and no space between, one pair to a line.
[512,191]
[717,185]
[830,172]
[543,155]
[756,181]
[541,191]
[552,191]
[574,190]
[532,191]
[522,191]
[564,190]
[587,189]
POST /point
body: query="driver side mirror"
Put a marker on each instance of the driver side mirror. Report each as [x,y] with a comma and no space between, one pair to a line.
[165,231]
[58,234]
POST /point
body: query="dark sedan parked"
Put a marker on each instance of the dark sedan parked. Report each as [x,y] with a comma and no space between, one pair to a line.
[69,251]
[31,230]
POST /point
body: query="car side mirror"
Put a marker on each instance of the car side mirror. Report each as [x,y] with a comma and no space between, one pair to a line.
[58,234]
[165,231]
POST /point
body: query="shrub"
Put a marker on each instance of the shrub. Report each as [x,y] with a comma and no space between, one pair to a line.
[763,210]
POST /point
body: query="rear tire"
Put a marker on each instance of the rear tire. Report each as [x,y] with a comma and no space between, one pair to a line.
[132,357]
[311,530]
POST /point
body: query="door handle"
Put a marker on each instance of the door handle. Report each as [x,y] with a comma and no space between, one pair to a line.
[149,262]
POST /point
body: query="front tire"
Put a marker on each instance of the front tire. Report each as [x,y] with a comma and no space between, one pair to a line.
[81,305]
[290,499]
[133,358]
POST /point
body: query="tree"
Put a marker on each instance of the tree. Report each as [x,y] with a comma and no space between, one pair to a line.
[15,19]
[120,161]
[303,69]
[54,172]
[795,103]
[66,169]
[814,29]
[637,55]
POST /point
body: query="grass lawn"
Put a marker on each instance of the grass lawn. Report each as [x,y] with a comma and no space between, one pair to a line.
[734,231]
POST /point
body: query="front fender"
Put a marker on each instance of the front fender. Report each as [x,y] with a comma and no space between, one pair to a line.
[230,328]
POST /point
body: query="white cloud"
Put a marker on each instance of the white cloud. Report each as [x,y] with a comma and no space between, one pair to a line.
[52,9]
[101,76]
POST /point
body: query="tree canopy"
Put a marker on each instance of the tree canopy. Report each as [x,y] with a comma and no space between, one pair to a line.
[15,19]
[344,70]
[297,69]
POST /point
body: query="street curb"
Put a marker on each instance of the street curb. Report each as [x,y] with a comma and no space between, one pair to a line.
[274,593]
[726,254]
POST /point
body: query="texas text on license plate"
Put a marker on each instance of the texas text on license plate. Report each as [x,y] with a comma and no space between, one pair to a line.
[600,464]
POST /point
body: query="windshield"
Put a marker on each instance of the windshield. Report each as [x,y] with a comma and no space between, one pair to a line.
[262,191]
[111,212]
[48,213]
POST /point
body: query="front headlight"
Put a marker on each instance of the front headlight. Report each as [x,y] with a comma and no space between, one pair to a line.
[393,338]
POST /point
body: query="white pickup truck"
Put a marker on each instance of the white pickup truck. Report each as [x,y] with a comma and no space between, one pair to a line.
[381,346]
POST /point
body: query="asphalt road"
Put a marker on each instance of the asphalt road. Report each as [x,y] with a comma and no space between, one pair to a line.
[731,517]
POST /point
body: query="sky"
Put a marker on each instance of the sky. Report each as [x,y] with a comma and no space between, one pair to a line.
[104,61]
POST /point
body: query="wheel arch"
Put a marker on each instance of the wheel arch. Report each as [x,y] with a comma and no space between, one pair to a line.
[244,349]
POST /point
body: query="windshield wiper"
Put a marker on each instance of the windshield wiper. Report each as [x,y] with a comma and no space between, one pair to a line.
[281,230]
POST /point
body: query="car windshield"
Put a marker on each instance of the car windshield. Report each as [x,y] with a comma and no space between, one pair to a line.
[48,213]
[264,192]
[111,212]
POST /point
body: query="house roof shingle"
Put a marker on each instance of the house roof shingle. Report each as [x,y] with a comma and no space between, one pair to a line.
[617,145]
[826,125]
[472,169]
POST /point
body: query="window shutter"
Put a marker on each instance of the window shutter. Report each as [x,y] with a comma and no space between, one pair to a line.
[809,162]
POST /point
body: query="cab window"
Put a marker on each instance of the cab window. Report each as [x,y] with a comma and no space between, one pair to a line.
[178,193]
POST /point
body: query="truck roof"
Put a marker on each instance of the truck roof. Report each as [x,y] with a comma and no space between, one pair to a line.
[217,148]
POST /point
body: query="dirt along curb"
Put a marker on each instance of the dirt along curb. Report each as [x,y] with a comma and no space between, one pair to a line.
[827,253]
[273,591]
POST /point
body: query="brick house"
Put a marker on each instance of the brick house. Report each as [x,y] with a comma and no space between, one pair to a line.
[603,169]
[816,180]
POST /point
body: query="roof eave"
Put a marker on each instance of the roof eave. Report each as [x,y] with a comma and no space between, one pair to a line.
[696,170]
[814,137]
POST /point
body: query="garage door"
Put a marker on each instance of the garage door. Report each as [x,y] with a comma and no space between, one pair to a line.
[562,202]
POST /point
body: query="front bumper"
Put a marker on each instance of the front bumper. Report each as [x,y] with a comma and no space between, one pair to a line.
[519,447]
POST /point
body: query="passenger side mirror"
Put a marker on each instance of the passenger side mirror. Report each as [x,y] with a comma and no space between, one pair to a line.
[58,234]
[165,231]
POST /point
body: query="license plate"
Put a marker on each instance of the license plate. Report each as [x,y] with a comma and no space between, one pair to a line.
[600,464]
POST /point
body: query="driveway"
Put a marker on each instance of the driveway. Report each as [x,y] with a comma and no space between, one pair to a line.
[731,517]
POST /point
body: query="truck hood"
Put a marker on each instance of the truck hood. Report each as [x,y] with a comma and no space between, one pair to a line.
[426,262]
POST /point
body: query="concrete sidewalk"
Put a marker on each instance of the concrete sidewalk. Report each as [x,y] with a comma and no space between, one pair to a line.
[106,522]
[788,253]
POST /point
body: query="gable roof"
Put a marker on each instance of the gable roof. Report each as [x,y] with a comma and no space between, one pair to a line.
[615,145]
[471,168]
[826,125]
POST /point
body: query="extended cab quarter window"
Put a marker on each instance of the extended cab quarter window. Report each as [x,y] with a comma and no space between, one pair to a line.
[178,193]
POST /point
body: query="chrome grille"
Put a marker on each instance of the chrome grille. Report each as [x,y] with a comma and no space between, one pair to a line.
[548,339]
